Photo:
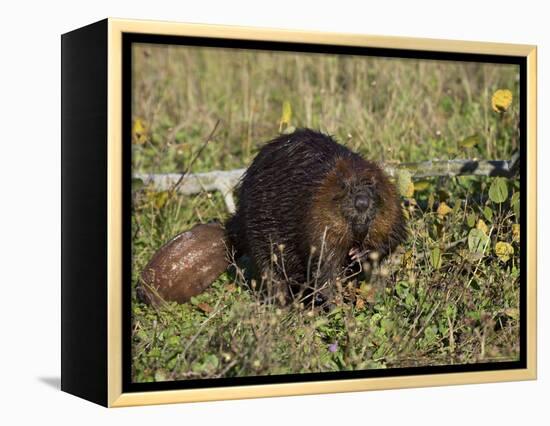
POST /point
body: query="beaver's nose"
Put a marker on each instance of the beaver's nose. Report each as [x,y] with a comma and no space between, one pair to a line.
[362,203]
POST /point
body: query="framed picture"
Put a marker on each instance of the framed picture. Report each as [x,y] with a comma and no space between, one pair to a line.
[250,212]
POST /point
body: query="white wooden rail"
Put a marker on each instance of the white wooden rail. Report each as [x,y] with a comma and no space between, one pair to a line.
[225,181]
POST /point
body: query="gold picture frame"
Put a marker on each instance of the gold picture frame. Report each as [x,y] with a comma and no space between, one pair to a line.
[96,373]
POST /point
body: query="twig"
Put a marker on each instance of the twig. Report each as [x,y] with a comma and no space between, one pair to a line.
[215,312]
[199,152]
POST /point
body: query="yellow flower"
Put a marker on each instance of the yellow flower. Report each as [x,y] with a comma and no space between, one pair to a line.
[286,116]
[515,232]
[482,226]
[139,132]
[405,183]
[408,260]
[502,99]
[410,190]
[504,251]
[443,210]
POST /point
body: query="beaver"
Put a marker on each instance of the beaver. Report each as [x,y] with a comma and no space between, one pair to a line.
[307,208]
[185,266]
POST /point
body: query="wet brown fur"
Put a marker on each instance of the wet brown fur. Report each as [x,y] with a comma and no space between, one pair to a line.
[299,193]
[339,238]
[185,266]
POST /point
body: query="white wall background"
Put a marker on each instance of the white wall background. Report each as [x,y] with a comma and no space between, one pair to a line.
[30,211]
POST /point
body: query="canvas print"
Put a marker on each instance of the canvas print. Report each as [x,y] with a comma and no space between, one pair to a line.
[296,213]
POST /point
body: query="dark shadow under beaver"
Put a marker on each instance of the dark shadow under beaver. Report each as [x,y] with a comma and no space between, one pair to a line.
[309,211]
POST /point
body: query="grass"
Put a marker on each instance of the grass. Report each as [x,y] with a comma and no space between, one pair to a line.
[447,297]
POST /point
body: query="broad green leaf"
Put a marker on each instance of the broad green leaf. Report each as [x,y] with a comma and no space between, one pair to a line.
[435,258]
[470,141]
[498,191]
[430,333]
[137,184]
[450,311]
[173,341]
[515,199]
[471,220]
[387,324]
[421,185]
[477,241]
[161,198]
[207,365]
[488,213]
[402,289]
[465,181]
[515,203]
[475,315]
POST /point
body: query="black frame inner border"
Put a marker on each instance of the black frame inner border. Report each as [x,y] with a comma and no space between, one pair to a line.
[128,39]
